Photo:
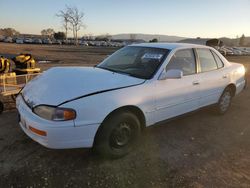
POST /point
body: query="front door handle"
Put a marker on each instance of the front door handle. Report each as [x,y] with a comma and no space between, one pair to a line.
[225,76]
[196,82]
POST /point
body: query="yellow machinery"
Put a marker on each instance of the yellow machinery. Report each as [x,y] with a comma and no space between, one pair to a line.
[4,65]
[12,81]
[25,64]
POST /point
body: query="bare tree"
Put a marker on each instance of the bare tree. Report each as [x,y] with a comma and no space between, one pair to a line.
[76,20]
[71,16]
[64,15]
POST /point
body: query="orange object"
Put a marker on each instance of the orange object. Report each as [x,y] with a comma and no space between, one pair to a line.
[39,132]
[69,114]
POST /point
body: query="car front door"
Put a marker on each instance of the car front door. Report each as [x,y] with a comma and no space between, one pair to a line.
[181,95]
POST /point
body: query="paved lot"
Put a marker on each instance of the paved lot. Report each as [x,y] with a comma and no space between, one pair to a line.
[198,150]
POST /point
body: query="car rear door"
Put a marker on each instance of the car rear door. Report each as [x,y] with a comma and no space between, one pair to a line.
[178,96]
[212,75]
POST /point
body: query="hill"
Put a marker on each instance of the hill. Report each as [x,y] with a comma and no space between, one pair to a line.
[147,37]
[235,41]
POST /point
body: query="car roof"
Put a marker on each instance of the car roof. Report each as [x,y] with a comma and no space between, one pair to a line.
[170,46]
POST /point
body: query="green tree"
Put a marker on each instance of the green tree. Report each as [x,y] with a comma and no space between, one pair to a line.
[154,40]
[48,32]
[9,32]
[105,37]
[60,36]
[242,40]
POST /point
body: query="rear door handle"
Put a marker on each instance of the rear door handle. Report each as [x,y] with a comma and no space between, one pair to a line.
[225,76]
[196,82]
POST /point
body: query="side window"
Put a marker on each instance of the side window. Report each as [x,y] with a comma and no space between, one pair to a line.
[183,60]
[218,60]
[207,61]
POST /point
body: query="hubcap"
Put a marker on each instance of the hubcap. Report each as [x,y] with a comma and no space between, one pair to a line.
[121,135]
[225,101]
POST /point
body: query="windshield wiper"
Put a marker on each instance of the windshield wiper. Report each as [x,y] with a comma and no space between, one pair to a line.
[114,70]
[120,72]
[111,70]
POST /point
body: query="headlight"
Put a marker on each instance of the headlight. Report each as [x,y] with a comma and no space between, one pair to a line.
[55,113]
[242,70]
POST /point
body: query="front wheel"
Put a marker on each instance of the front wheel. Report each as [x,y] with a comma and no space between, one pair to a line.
[224,102]
[117,135]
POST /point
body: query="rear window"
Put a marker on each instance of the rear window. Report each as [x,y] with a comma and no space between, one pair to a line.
[207,61]
[218,60]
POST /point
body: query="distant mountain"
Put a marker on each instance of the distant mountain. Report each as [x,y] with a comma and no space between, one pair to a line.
[230,42]
[147,37]
[235,41]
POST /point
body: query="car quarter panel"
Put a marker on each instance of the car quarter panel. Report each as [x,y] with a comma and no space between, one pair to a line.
[234,73]
[237,76]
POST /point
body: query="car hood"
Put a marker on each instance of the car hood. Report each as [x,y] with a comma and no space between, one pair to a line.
[61,84]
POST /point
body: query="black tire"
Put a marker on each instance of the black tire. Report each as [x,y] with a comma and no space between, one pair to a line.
[224,102]
[1,107]
[117,135]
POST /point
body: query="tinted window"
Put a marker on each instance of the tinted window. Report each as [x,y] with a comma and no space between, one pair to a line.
[218,60]
[183,60]
[207,61]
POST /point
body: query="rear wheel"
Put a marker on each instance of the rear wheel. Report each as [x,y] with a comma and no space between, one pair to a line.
[1,107]
[225,101]
[117,135]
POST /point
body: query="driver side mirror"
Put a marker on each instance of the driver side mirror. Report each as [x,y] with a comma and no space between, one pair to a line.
[171,74]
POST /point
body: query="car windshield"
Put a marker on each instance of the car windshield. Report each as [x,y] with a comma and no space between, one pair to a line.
[140,62]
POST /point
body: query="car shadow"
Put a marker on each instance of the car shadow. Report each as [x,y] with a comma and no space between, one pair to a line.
[166,152]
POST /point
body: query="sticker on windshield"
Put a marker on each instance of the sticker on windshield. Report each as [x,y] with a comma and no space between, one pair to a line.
[152,56]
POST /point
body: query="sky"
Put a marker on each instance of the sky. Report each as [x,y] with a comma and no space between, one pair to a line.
[187,18]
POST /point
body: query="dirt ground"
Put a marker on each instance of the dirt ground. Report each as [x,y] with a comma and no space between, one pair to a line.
[198,150]
[60,55]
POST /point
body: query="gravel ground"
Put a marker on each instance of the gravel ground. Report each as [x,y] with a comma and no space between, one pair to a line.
[199,150]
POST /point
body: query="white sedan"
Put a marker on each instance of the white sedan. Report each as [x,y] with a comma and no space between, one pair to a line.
[107,106]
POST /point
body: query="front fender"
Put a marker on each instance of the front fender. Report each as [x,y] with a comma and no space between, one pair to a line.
[94,109]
